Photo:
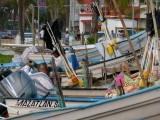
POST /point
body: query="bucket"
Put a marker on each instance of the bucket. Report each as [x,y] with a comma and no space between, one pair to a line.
[42,68]
[75,64]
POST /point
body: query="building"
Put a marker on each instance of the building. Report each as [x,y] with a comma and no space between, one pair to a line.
[136,13]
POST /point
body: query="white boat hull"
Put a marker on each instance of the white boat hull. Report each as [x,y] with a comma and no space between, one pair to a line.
[138,40]
[143,104]
[18,106]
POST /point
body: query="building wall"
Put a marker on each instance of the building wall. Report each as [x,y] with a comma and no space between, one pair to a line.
[115,24]
[139,16]
[85,22]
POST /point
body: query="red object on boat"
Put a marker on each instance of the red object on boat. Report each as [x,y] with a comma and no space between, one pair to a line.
[85,1]
[74,79]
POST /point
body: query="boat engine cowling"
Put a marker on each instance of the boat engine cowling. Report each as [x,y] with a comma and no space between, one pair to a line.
[18,84]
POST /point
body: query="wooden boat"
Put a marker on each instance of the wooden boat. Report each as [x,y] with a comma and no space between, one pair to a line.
[142,104]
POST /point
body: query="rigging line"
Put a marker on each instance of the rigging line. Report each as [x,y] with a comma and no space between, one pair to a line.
[145,54]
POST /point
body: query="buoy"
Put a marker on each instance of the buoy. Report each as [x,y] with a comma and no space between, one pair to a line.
[109,49]
[140,84]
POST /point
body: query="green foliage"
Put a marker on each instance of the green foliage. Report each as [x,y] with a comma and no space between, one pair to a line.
[141,1]
[79,1]
[159,33]
[5,58]
[123,5]
[91,40]
[52,4]
[140,29]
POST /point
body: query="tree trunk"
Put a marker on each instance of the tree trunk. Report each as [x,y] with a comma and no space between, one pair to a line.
[52,15]
[94,25]
[20,19]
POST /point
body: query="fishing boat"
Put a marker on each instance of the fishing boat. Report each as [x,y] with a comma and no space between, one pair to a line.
[143,104]
[138,40]
[21,93]
[20,106]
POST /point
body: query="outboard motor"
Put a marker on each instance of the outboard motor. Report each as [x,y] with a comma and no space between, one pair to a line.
[18,84]
[15,84]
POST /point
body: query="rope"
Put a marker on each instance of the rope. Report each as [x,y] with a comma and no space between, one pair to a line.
[56,45]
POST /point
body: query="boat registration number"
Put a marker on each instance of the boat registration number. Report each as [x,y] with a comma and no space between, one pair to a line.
[37,103]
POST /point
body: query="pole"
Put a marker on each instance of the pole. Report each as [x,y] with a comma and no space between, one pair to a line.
[130,43]
[33,37]
[70,15]
[155,29]
[38,15]
[84,71]
[73,4]
[132,16]
[104,63]
[57,85]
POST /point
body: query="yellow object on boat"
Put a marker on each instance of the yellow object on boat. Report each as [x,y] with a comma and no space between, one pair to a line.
[115,40]
[79,84]
[140,84]
[115,46]
[146,74]
[69,74]
[111,42]
[109,49]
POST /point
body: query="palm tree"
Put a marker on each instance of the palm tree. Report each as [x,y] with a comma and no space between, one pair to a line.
[7,9]
[94,23]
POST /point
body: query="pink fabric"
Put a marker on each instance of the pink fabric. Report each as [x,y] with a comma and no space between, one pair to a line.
[118,78]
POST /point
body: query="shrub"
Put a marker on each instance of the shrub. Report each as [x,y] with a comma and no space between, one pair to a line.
[91,40]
